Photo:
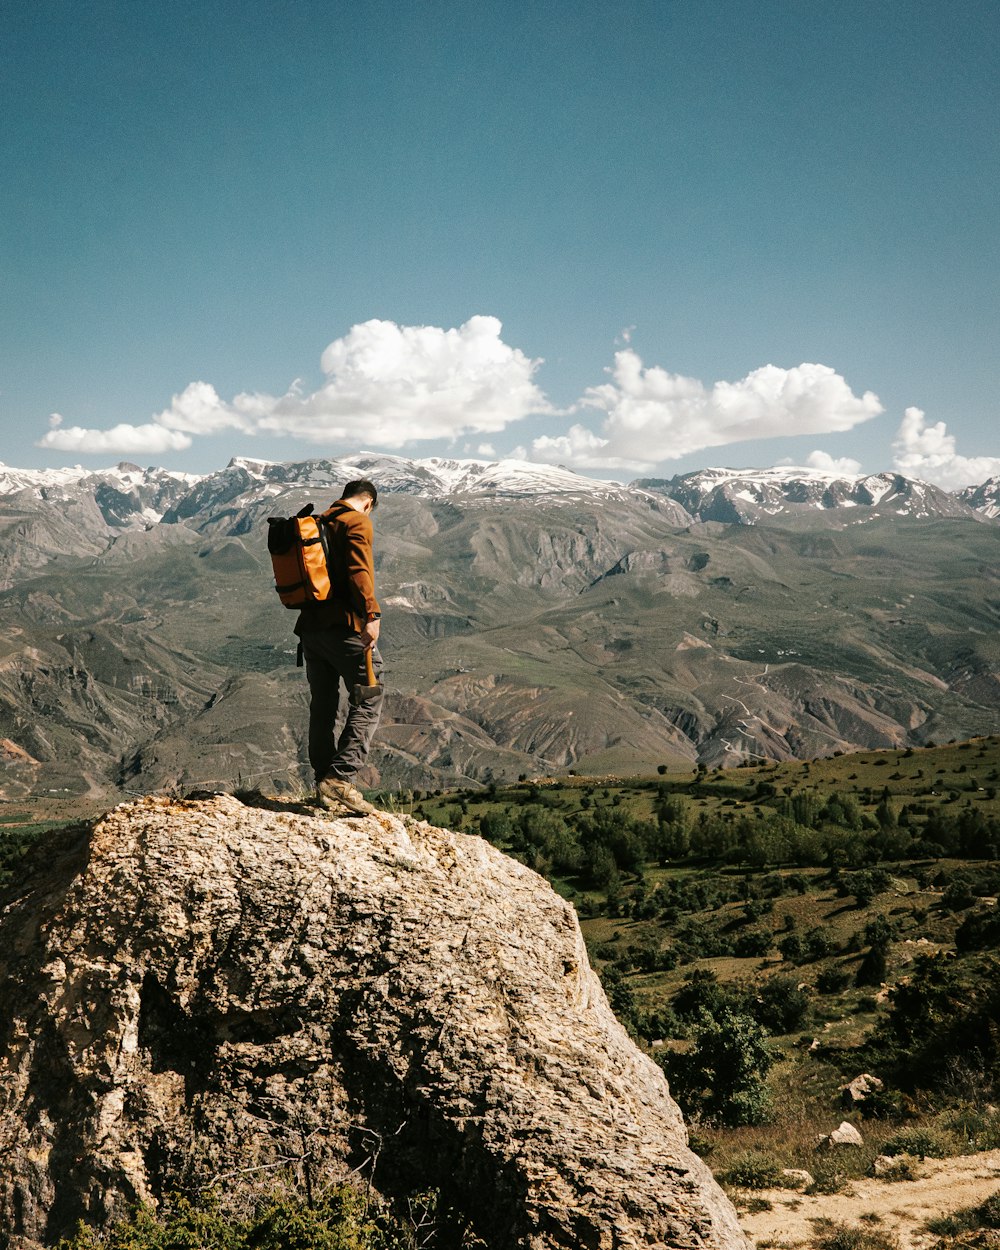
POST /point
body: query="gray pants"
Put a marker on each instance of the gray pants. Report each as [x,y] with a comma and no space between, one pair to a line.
[333,656]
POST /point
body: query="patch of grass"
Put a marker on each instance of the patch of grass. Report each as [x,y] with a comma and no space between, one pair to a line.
[344,1217]
[843,1237]
[968,1219]
[901,1170]
[756,1206]
[973,1127]
[830,1176]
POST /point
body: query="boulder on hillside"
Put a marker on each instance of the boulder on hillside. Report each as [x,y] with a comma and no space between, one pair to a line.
[844,1135]
[855,1092]
[196,988]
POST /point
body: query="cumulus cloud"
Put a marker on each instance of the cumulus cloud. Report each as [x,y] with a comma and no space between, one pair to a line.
[119,440]
[577,446]
[652,415]
[388,385]
[199,410]
[826,463]
[385,385]
[928,452]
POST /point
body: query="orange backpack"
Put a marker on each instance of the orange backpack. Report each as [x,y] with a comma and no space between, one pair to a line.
[298,547]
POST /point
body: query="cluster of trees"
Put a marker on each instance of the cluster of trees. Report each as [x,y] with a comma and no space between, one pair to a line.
[601,841]
[942,1025]
[719,1055]
[596,844]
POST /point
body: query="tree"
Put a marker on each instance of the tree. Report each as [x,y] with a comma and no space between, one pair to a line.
[619,993]
[780,1006]
[872,969]
[947,1011]
[724,1076]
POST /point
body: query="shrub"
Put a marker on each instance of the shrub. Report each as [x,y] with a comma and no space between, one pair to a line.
[780,1006]
[833,980]
[342,1220]
[753,943]
[701,994]
[791,947]
[925,1143]
[980,930]
[872,969]
[754,1169]
[947,1010]
[818,943]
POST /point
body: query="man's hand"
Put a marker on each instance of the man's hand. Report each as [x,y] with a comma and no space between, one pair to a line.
[369,635]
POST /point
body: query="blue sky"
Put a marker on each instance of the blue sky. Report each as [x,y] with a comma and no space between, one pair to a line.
[633,238]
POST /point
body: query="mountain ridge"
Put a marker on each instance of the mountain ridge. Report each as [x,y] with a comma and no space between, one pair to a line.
[732,496]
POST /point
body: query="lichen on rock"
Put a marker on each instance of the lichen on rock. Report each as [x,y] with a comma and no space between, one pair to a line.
[196,991]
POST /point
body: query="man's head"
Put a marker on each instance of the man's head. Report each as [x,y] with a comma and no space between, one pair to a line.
[361,495]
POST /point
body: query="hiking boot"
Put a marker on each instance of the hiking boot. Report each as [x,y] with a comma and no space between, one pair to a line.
[338,795]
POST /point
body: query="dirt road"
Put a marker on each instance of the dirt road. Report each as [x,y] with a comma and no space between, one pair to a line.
[903,1207]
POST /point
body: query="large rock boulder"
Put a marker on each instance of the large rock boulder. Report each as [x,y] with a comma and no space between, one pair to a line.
[200,989]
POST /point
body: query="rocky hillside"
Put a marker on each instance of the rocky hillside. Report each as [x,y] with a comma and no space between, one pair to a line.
[535,621]
[197,989]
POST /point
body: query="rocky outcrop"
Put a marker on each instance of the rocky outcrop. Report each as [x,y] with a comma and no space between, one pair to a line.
[200,989]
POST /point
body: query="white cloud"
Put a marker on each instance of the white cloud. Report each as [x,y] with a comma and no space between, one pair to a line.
[927,452]
[653,415]
[119,440]
[826,463]
[486,449]
[55,421]
[199,410]
[386,385]
[578,446]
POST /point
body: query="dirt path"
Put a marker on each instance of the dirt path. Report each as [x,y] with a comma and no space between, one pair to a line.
[942,1186]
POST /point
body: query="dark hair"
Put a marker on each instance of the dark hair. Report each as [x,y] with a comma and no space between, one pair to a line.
[361,487]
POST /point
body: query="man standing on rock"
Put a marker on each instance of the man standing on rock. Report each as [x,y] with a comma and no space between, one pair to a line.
[335,635]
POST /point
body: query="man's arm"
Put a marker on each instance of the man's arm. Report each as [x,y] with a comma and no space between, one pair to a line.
[361,575]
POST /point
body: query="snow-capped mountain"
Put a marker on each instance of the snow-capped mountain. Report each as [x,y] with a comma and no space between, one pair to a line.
[126,494]
[985,497]
[129,497]
[750,496]
[245,484]
[433,477]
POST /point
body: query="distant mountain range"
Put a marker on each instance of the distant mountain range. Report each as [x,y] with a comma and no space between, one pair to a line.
[130,495]
[535,620]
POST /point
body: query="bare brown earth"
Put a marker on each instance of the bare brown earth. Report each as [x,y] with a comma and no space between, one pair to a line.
[903,1207]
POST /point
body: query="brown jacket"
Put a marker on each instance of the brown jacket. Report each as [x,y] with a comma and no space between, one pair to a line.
[351,562]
